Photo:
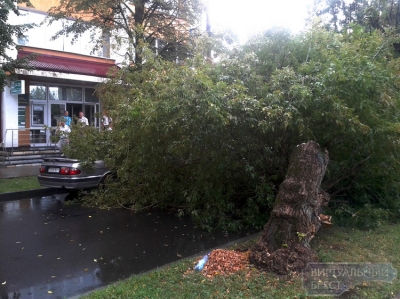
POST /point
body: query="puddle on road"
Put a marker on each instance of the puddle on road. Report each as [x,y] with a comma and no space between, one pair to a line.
[52,250]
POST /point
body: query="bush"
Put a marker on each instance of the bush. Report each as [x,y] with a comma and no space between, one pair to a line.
[366,217]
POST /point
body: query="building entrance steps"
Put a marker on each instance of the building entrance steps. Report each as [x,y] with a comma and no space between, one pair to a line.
[27,155]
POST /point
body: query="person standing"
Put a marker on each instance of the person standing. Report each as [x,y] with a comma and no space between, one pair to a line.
[66,118]
[106,121]
[62,131]
[82,120]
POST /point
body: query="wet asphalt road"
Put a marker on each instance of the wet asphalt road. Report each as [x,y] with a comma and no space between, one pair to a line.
[50,249]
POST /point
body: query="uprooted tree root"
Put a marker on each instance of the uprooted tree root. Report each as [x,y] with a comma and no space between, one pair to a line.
[284,260]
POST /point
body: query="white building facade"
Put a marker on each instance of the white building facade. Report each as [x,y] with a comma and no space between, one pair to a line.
[64,79]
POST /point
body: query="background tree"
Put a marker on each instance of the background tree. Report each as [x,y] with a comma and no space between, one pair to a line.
[8,33]
[167,26]
[330,11]
[380,15]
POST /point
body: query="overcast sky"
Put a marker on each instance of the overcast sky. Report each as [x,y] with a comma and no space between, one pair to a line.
[247,17]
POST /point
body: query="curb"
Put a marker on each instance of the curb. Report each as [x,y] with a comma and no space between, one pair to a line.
[9,196]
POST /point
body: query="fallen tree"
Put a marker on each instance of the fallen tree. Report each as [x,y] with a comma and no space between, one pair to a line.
[284,245]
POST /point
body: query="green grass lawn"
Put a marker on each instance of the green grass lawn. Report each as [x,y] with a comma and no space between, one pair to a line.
[19,184]
[332,245]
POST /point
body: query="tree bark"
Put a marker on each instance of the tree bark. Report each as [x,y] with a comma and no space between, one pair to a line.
[284,245]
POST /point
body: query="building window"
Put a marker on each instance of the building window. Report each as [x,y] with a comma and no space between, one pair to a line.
[65,93]
[37,92]
[90,96]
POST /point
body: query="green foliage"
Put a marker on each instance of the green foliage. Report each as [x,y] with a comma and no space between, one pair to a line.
[7,34]
[185,141]
[344,95]
[274,49]
[338,15]
[301,235]
[361,217]
[355,79]
[87,143]
[214,140]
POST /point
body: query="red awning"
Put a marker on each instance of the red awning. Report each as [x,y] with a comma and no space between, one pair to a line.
[55,63]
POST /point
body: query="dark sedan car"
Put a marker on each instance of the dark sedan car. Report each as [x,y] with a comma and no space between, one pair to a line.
[68,173]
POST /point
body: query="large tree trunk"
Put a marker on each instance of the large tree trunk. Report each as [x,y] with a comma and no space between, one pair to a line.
[284,246]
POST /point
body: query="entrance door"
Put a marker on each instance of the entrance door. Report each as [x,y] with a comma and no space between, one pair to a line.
[74,110]
[57,112]
[90,114]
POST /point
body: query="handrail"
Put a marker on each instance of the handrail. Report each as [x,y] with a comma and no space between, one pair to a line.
[12,139]
[14,136]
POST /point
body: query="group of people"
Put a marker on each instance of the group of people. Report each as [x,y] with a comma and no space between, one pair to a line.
[67,120]
[64,127]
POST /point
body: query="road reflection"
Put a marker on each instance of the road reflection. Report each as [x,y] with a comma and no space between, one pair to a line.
[55,250]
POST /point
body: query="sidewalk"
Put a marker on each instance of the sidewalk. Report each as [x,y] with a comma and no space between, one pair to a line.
[14,171]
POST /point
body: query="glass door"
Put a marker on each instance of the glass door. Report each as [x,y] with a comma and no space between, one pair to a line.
[89,111]
[74,110]
[56,113]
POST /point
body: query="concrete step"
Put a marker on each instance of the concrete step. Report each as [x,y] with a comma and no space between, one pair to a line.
[23,162]
[21,154]
[19,151]
[32,156]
